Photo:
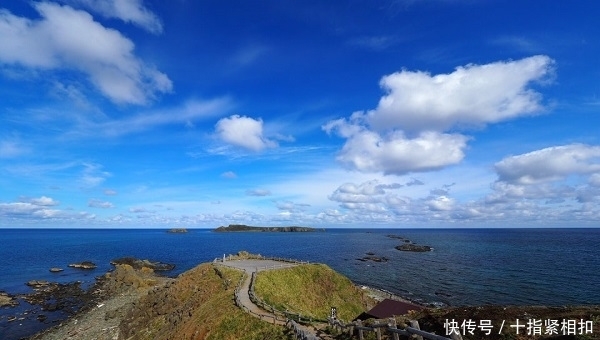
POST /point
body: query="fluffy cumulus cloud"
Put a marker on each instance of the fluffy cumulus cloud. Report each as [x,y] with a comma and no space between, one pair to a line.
[244,132]
[370,201]
[68,39]
[394,153]
[409,129]
[132,11]
[44,201]
[554,184]
[471,95]
[42,208]
[549,164]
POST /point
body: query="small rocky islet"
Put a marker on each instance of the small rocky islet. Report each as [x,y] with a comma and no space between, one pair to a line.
[408,245]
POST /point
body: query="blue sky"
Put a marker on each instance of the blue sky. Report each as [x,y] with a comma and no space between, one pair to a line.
[406,113]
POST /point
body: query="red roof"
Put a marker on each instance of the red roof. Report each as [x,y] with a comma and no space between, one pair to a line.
[388,308]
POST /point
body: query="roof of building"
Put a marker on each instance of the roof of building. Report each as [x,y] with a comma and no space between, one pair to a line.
[388,308]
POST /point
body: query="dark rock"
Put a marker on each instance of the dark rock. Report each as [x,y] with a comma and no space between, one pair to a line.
[139,264]
[374,259]
[396,237]
[413,247]
[7,300]
[52,296]
[370,253]
[84,265]
[177,231]
[38,284]
[56,270]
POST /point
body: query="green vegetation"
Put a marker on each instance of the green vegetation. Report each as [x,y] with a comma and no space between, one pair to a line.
[198,305]
[311,290]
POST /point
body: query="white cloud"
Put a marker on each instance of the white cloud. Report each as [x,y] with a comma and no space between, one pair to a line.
[110,192]
[371,197]
[289,207]
[38,209]
[407,131]
[95,203]
[471,95]
[258,192]
[190,111]
[44,201]
[595,180]
[11,149]
[556,185]
[244,132]
[549,164]
[132,11]
[69,39]
[229,175]
[92,175]
[440,203]
[248,55]
[394,153]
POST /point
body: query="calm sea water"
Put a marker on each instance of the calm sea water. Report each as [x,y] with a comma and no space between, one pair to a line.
[467,266]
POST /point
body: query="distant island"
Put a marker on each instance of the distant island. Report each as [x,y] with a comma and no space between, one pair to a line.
[247,228]
[177,231]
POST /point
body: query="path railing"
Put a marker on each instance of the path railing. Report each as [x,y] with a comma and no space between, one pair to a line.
[389,326]
[300,333]
[294,320]
[259,257]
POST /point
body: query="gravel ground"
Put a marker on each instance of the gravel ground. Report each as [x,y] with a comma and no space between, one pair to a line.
[100,322]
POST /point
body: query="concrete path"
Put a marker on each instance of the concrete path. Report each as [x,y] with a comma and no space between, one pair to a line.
[251,266]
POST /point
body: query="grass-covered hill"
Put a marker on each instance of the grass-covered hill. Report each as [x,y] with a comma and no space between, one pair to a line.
[311,290]
[199,304]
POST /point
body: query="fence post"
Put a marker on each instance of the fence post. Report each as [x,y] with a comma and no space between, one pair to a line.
[394,326]
[378,333]
[415,324]
[360,331]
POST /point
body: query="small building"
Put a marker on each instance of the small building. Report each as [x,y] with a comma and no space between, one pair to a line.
[389,308]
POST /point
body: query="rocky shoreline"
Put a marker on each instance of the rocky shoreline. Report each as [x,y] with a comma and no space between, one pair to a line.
[51,305]
[133,289]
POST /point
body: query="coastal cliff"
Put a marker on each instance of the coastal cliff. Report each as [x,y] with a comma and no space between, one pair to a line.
[199,304]
[246,228]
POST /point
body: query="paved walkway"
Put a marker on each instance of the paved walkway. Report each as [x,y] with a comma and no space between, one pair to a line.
[251,266]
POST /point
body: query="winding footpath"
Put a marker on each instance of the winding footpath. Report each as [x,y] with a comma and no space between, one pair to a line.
[255,266]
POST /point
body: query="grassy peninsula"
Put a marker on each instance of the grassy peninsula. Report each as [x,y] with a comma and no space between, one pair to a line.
[247,228]
[312,290]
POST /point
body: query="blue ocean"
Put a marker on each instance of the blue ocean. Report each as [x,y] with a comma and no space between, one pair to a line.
[467,266]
